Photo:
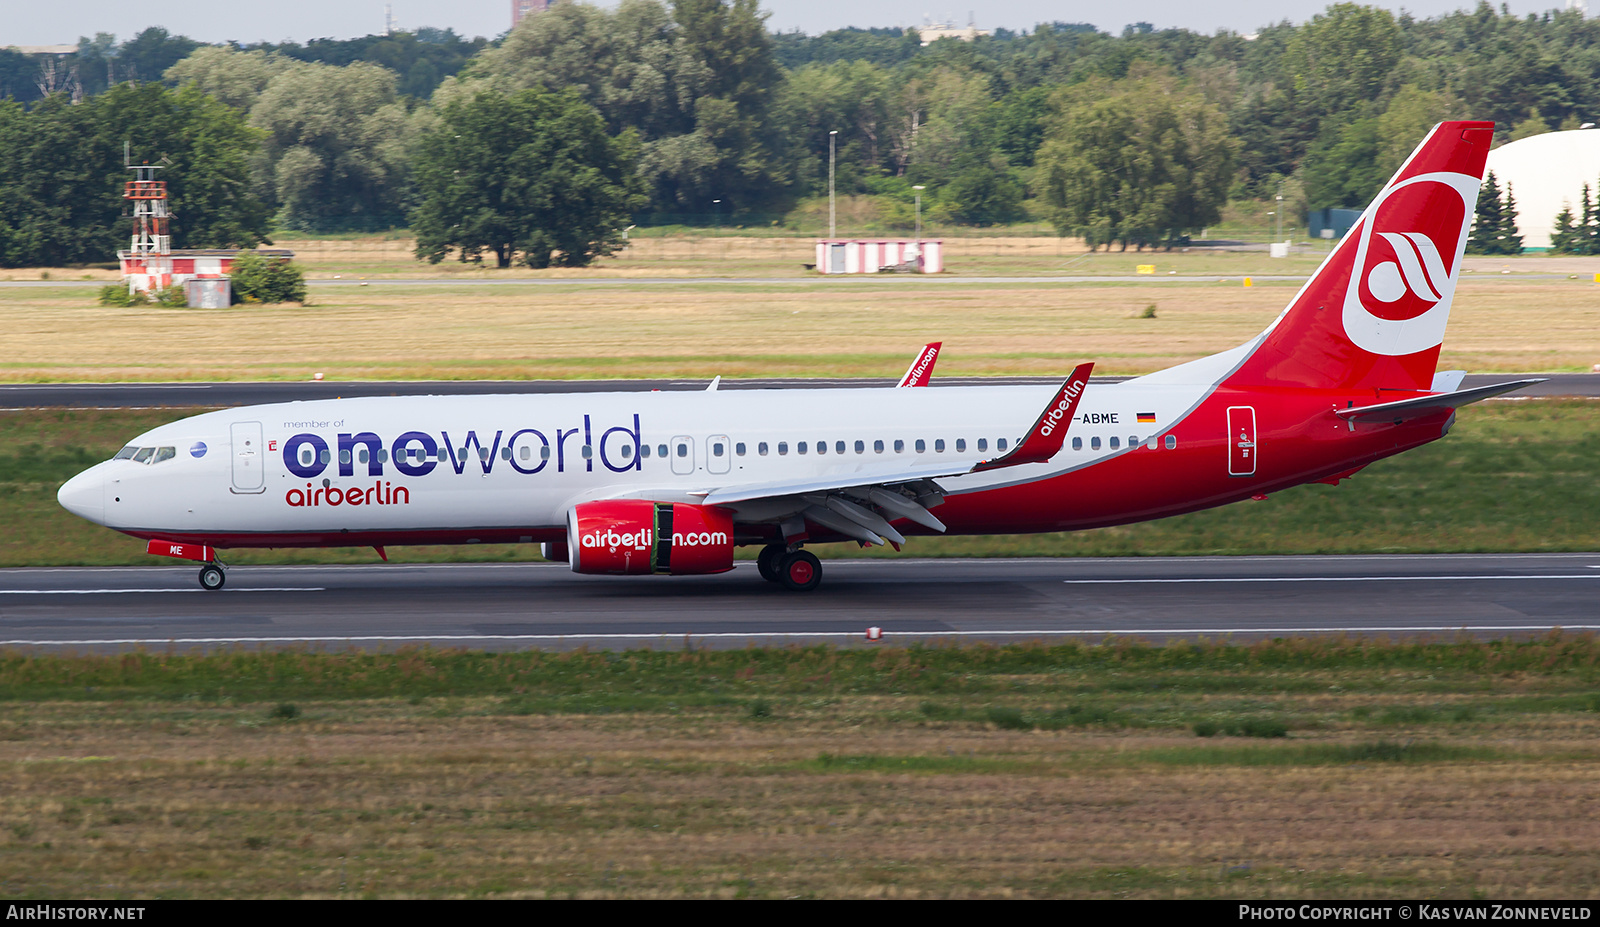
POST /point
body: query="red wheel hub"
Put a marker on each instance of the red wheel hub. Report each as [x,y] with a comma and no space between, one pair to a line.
[800,571]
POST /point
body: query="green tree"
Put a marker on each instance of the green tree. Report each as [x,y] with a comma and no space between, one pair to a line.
[1494,224]
[256,279]
[698,84]
[986,195]
[1577,237]
[533,174]
[1138,162]
[56,209]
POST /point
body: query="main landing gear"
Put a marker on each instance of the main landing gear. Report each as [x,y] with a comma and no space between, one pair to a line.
[212,576]
[796,570]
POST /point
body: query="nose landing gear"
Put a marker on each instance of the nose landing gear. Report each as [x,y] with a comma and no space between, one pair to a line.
[212,576]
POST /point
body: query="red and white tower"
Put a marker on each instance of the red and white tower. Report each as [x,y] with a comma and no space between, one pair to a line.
[151,246]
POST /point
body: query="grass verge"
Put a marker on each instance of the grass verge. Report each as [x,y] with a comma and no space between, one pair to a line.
[1017,771]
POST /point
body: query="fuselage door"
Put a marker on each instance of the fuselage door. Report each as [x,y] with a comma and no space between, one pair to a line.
[1242,449]
[682,451]
[719,457]
[249,461]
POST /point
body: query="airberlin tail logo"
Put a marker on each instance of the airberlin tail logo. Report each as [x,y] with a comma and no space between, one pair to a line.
[1417,269]
[1407,253]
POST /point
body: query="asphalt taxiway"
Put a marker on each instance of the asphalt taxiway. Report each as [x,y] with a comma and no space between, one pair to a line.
[516,606]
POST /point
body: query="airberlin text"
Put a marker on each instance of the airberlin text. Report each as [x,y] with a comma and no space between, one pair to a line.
[643,538]
[1060,410]
[1423,912]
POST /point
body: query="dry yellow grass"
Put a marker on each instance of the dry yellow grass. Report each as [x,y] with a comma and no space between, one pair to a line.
[859,328]
[384,799]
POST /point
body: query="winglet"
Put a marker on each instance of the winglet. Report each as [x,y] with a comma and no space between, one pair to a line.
[1050,431]
[921,369]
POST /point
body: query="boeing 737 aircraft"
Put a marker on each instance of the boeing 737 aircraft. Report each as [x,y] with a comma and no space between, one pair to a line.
[674,482]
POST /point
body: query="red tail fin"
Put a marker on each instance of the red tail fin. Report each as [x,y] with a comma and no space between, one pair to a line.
[921,369]
[1373,315]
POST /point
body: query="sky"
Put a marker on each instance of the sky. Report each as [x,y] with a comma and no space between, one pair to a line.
[63,22]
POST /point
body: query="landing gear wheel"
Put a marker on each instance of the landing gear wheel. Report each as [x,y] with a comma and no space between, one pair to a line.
[212,577]
[767,562]
[800,571]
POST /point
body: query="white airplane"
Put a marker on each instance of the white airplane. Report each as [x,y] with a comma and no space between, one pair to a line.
[674,482]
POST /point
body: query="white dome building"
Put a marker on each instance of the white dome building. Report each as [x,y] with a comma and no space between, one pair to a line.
[1547,173]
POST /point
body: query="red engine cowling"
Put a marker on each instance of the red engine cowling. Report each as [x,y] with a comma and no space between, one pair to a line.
[631,536]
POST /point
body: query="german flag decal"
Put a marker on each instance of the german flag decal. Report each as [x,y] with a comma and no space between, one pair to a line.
[1147,418]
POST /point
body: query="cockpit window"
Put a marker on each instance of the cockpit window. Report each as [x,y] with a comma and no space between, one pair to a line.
[143,456]
[127,452]
[165,453]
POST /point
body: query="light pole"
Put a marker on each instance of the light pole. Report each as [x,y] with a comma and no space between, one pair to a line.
[1280,217]
[919,190]
[832,230]
[918,244]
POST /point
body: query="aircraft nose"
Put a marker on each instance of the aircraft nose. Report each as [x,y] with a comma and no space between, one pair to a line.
[85,495]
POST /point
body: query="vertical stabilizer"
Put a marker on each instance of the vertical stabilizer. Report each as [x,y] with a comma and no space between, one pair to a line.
[1374,314]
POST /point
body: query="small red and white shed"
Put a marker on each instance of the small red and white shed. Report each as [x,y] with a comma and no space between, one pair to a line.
[875,255]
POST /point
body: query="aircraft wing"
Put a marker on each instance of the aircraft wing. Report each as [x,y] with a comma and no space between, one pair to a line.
[1403,409]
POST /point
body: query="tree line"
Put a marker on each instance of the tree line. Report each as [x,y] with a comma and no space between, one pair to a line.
[696,113]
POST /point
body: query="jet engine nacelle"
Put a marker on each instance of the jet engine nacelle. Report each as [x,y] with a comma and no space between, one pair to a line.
[632,536]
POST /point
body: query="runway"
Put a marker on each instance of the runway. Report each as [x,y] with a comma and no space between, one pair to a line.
[519,606]
[150,395]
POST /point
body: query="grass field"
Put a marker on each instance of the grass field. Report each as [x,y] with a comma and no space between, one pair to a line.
[1511,476]
[866,327]
[788,322]
[1324,768]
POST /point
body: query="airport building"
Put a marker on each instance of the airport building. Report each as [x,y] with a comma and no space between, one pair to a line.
[522,8]
[1546,174]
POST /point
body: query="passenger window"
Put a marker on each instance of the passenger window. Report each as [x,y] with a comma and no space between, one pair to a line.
[761,448]
[326,456]
[126,453]
[1172,442]
[525,452]
[921,446]
[838,447]
[661,450]
[800,448]
[861,447]
[938,445]
[822,447]
[344,456]
[739,448]
[483,453]
[505,453]
[1115,442]
[999,445]
[627,452]
[1077,444]
[1133,440]
[364,455]
[306,455]
[783,448]
[383,455]
[877,447]
[899,446]
[716,449]
[961,445]
[983,444]
[683,450]
[1094,443]
[644,450]
[166,453]
[544,452]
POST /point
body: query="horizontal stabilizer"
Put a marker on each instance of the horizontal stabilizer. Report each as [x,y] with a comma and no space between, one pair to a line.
[1403,409]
